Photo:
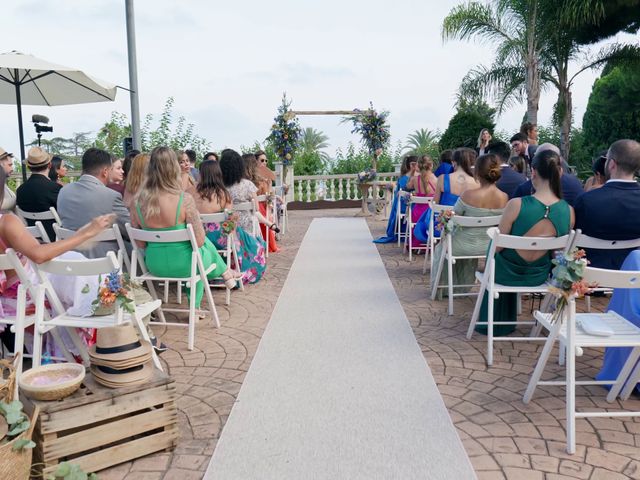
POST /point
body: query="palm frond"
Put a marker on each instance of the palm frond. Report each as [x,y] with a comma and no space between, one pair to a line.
[475,20]
[618,53]
[500,82]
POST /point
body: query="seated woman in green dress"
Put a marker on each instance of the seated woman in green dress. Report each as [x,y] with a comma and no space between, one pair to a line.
[544,214]
[486,201]
[163,206]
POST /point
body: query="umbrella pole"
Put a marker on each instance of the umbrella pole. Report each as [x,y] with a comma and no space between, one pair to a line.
[20,128]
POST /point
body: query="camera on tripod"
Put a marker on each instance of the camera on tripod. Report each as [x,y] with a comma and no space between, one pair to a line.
[40,129]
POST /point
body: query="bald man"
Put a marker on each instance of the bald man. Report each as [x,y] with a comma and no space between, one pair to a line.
[612,212]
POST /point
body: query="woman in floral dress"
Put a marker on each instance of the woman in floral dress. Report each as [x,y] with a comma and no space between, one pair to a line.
[212,197]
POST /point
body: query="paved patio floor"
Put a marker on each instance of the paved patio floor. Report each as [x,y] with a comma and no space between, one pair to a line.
[503,437]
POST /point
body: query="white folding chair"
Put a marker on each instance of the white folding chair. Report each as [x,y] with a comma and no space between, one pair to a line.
[39,233]
[229,252]
[450,257]
[20,321]
[569,332]
[197,274]
[436,209]
[282,217]
[85,267]
[50,214]
[263,198]
[108,235]
[493,289]
[413,200]
[401,217]
[585,241]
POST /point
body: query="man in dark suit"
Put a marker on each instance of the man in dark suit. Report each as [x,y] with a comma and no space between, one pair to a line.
[571,186]
[612,212]
[39,193]
[510,179]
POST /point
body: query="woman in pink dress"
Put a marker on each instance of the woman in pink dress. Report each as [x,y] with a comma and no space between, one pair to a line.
[423,183]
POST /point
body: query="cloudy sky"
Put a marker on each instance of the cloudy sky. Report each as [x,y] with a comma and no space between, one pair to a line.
[227,63]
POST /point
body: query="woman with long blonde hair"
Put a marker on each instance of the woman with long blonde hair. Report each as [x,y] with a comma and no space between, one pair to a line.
[136,177]
[161,205]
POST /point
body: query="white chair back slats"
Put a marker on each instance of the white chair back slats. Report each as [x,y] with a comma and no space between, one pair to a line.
[449,256]
[400,217]
[585,241]
[95,267]
[578,331]
[262,198]
[251,208]
[111,234]
[50,214]
[493,289]
[436,209]
[229,252]
[198,273]
[39,233]
[282,216]
[20,321]
[414,200]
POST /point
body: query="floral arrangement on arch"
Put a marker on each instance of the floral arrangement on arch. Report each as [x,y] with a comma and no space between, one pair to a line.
[367,175]
[116,290]
[567,280]
[373,128]
[285,132]
[445,225]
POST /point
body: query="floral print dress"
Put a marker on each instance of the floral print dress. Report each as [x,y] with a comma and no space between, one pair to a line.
[251,250]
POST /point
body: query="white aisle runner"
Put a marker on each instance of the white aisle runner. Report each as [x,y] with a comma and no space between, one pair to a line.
[338,388]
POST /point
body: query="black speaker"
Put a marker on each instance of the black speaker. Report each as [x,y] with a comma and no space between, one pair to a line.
[127,145]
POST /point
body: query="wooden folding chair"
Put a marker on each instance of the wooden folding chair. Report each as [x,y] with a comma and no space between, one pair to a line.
[569,332]
[229,252]
[198,273]
[493,289]
[450,257]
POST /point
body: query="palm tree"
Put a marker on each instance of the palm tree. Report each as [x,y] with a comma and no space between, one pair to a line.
[421,141]
[536,41]
[512,26]
[313,141]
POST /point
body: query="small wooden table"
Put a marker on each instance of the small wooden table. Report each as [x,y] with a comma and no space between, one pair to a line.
[364,189]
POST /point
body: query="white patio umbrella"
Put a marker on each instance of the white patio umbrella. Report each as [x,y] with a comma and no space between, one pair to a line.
[28,80]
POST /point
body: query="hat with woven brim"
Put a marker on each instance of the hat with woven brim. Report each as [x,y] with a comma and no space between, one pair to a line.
[114,378]
[119,343]
[4,154]
[37,157]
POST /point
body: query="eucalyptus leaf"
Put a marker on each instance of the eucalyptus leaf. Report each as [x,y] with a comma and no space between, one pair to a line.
[19,428]
[23,443]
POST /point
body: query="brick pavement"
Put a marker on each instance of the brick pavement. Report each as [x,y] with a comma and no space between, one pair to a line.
[503,437]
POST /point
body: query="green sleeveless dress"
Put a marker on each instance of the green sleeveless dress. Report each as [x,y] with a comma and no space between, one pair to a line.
[173,259]
[512,269]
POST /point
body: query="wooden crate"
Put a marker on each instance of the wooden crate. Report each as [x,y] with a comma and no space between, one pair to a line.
[98,427]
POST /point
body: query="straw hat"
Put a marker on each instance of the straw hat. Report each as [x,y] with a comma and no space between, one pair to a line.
[127,377]
[4,154]
[119,344]
[37,157]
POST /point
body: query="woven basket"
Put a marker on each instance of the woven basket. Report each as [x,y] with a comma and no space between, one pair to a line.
[16,465]
[53,371]
[7,385]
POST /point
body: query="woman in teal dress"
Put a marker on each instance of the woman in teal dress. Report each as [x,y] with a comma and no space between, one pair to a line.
[543,214]
[163,206]
[211,196]
[486,201]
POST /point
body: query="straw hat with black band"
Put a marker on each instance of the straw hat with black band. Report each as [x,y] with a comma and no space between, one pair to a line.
[38,158]
[119,358]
